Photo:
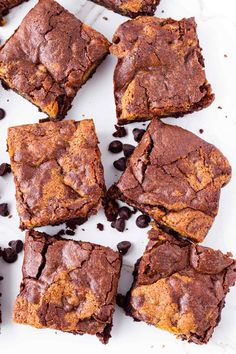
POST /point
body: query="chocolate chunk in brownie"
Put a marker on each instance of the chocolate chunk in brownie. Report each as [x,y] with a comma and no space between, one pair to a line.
[180,287]
[176,178]
[68,285]
[6,5]
[50,56]
[131,8]
[160,69]
[5,168]
[57,170]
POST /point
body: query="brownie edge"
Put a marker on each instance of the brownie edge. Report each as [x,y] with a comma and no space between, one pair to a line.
[180,287]
[67,285]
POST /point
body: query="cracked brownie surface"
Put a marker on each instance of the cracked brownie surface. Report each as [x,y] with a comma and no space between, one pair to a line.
[176,178]
[50,56]
[160,69]
[6,5]
[180,287]
[67,285]
[131,8]
[57,171]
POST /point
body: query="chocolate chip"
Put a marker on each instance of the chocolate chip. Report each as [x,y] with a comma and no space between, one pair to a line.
[120,132]
[143,221]
[219,107]
[9,255]
[1,278]
[73,223]
[201,131]
[115,146]
[125,213]
[119,224]
[138,134]
[70,232]
[128,149]
[4,209]
[5,168]
[5,86]
[60,233]
[120,164]
[100,226]
[17,245]
[121,300]
[2,113]
[123,247]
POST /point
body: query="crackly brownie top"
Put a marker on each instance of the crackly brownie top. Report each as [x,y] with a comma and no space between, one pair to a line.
[160,69]
[180,286]
[130,8]
[67,285]
[176,177]
[50,55]
[57,170]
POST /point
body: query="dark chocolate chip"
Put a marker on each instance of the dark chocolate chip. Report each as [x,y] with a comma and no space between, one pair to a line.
[9,255]
[17,245]
[100,226]
[120,225]
[138,134]
[2,113]
[120,132]
[128,149]
[120,164]
[201,131]
[5,86]
[115,146]
[125,213]
[121,300]
[5,168]
[1,278]
[70,232]
[4,209]
[143,221]
[73,223]
[123,247]
[60,233]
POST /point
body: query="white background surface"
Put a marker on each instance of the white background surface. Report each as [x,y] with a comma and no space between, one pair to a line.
[217,32]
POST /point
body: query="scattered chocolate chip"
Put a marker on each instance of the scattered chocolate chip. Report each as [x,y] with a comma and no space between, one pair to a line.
[138,134]
[219,107]
[115,146]
[105,18]
[5,168]
[119,224]
[17,245]
[9,255]
[2,113]
[225,55]
[4,209]
[73,223]
[121,300]
[100,226]
[143,221]
[162,11]
[5,86]
[120,164]
[70,232]
[123,247]
[134,211]
[124,213]
[201,131]
[1,278]
[120,132]
[128,149]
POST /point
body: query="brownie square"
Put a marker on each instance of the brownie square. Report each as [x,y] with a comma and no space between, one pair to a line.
[160,69]
[6,5]
[67,285]
[50,56]
[176,178]
[180,287]
[131,8]
[57,171]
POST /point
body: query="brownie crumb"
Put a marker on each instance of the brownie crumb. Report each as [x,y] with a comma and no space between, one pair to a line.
[143,221]
[5,86]
[17,245]
[43,120]
[4,209]
[9,255]
[123,247]
[120,164]
[128,149]
[60,233]
[120,132]
[73,223]
[70,232]
[105,18]
[124,213]
[5,168]
[201,131]
[121,300]
[219,107]
[115,146]
[100,226]
[118,224]
[138,134]
[2,113]
[225,55]
[111,208]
